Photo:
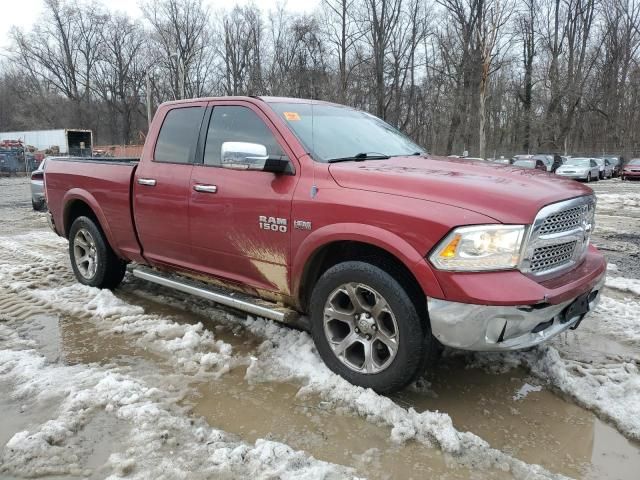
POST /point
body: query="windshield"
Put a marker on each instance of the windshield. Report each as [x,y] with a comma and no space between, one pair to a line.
[635,161]
[579,162]
[334,132]
[599,161]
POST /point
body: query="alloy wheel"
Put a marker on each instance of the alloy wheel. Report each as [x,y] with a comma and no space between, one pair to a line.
[85,253]
[361,328]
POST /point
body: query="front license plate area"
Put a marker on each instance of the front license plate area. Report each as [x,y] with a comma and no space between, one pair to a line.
[578,308]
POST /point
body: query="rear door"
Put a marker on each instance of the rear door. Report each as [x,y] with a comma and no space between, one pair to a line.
[241,219]
[161,187]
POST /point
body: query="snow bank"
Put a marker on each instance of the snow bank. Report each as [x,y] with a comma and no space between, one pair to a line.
[192,348]
[612,390]
[161,442]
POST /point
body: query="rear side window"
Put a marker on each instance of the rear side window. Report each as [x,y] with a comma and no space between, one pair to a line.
[178,135]
[236,124]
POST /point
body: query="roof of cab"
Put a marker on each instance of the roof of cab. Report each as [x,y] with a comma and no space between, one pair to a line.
[253,98]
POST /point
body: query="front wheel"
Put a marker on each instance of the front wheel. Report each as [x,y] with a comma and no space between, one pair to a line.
[93,261]
[589,177]
[367,329]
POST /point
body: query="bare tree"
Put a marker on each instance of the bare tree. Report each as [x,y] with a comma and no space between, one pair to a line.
[182,34]
[493,16]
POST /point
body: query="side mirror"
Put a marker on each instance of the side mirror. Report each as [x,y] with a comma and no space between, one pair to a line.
[252,156]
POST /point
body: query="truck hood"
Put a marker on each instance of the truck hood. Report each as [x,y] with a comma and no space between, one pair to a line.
[505,193]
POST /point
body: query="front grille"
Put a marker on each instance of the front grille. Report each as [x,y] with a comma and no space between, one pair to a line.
[559,236]
[552,256]
[564,220]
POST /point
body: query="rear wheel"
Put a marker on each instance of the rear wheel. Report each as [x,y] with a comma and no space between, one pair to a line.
[367,329]
[93,261]
[38,206]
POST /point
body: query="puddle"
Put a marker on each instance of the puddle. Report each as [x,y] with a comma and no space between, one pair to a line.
[273,411]
[539,427]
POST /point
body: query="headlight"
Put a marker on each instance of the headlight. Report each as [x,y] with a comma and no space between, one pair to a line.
[481,247]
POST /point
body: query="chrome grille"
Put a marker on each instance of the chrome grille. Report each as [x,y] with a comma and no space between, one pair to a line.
[564,220]
[552,256]
[559,237]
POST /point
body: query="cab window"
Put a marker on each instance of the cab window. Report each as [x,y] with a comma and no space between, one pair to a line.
[179,135]
[236,124]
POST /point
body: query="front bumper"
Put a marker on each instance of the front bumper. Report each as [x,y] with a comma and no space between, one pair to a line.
[502,328]
[575,176]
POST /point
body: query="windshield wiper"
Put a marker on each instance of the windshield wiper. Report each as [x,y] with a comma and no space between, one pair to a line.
[359,157]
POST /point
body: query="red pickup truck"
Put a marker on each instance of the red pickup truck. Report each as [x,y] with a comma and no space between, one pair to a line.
[313,213]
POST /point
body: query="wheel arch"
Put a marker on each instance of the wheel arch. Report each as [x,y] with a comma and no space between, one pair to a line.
[324,249]
[79,203]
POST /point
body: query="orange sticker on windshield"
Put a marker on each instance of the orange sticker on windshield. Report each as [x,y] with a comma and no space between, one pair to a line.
[291,116]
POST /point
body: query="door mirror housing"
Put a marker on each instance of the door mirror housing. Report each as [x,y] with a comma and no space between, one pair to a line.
[252,156]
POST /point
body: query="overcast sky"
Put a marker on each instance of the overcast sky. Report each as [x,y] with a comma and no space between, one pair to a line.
[24,13]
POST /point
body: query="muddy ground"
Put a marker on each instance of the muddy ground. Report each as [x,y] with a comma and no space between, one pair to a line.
[147,383]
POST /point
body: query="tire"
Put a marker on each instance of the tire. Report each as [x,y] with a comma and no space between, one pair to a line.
[343,326]
[589,177]
[101,267]
[39,206]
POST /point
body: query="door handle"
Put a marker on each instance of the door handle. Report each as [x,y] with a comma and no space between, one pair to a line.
[205,188]
[149,182]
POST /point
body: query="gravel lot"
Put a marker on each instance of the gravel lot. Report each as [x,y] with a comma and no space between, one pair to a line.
[147,383]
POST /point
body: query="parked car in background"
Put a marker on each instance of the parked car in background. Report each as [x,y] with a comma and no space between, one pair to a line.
[616,165]
[531,163]
[580,168]
[38,200]
[631,171]
[605,170]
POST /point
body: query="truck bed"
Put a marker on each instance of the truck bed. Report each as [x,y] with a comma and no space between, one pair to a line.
[102,183]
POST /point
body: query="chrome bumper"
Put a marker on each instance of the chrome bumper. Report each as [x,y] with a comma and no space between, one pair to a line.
[499,328]
[575,176]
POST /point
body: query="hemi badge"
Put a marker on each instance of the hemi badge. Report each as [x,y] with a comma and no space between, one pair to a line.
[301,225]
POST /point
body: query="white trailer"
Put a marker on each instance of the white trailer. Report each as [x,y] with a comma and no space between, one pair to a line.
[70,141]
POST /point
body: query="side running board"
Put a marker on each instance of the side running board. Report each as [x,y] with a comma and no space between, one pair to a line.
[238,301]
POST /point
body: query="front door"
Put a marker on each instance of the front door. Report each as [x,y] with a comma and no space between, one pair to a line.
[240,219]
[161,188]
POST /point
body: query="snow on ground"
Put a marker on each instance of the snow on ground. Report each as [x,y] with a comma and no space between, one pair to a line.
[619,319]
[160,441]
[617,201]
[290,355]
[611,390]
[192,348]
[631,285]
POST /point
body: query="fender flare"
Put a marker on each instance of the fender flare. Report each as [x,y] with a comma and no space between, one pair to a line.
[84,196]
[412,259]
